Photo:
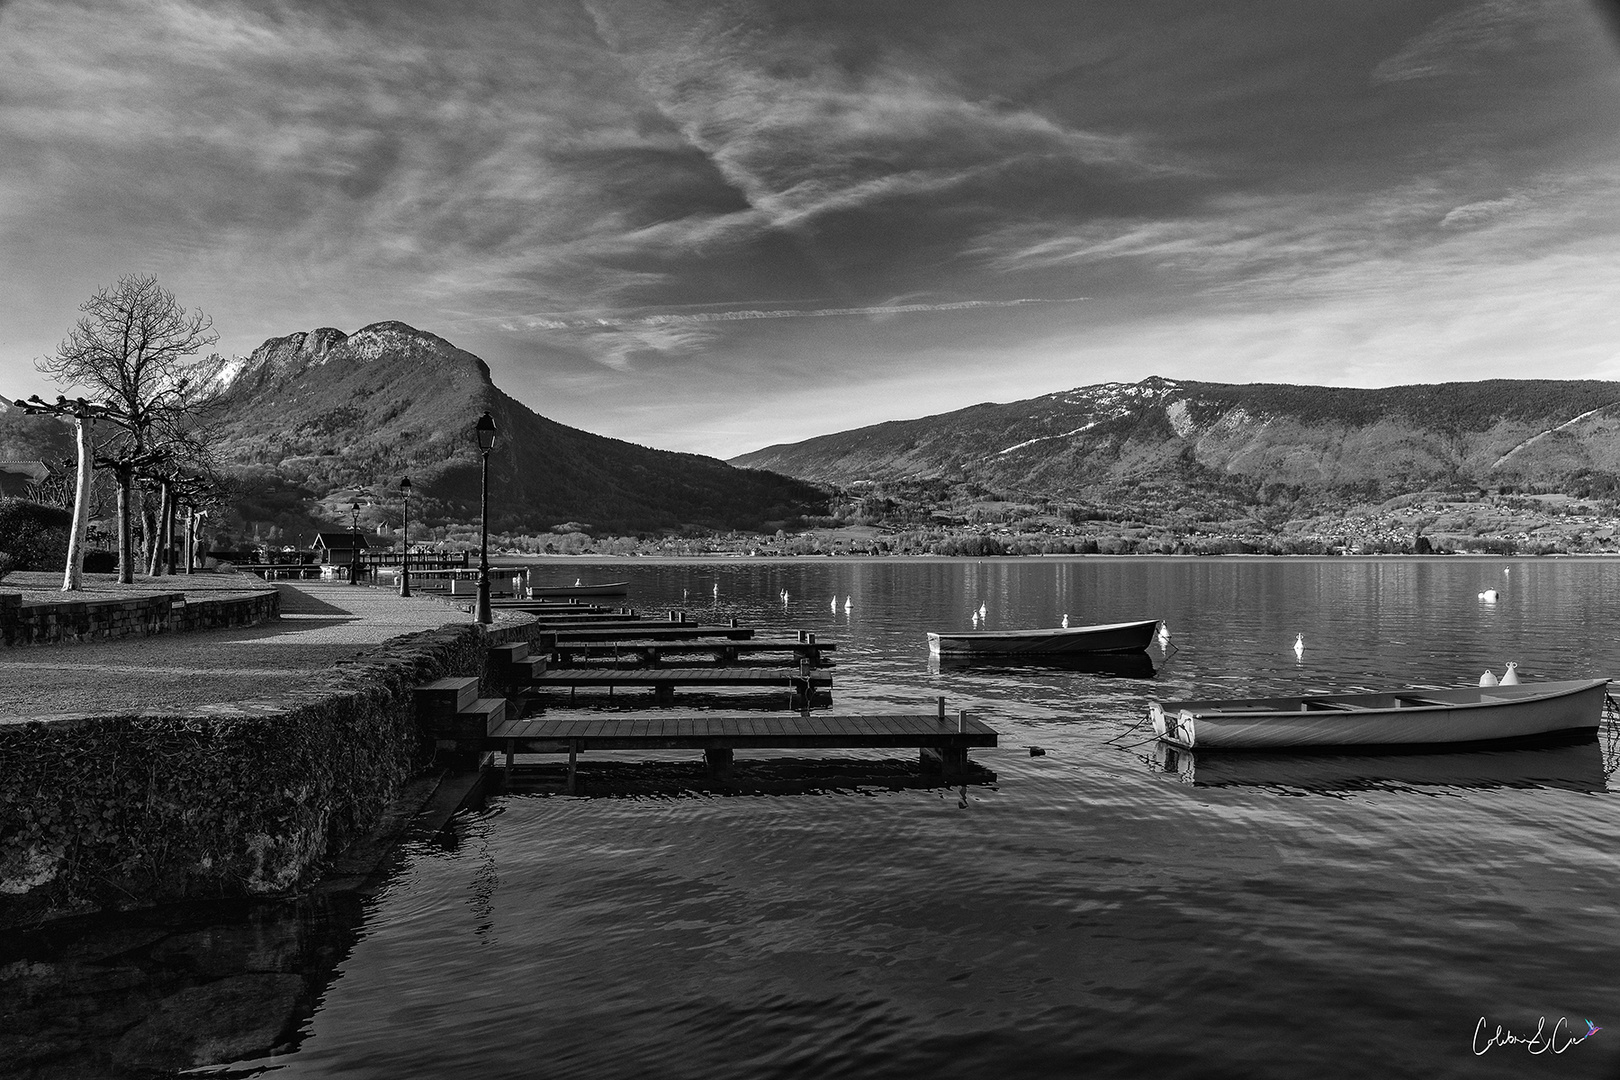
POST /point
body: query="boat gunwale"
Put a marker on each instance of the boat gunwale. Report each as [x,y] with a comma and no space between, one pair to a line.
[993,635]
[1565,687]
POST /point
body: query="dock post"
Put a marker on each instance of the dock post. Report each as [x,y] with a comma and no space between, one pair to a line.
[941,701]
[961,721]
[719,761]
[573,751]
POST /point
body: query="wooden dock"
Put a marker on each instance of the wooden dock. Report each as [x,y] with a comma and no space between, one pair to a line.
[664,680]
[723,651]
[574,635]
[942,742]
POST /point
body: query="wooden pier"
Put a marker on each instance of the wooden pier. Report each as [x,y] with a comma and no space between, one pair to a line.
[724,651]
[664,680]
[942,742]
[624,650]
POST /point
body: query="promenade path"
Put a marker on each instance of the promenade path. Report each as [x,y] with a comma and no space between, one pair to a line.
[321,623]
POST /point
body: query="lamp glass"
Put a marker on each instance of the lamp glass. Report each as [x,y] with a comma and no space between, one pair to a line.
[486,433]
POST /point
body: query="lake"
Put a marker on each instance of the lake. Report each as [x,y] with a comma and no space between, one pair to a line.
[1103,908]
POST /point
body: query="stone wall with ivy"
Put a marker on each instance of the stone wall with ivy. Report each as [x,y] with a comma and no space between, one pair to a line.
[131,616]
[238,799]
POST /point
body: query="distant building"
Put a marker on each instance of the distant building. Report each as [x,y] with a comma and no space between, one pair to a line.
[339,547]
[15,476]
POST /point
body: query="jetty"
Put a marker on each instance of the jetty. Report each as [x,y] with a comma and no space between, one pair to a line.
[611,652]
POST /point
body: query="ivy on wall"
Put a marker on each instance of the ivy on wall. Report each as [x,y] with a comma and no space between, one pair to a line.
[129,810]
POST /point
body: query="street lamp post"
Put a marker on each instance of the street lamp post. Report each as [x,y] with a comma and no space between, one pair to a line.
[486,442]
[354,544]
[405,536]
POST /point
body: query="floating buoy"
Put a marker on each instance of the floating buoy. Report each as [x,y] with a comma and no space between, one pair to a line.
[1065,622]
[1299,646]
[835,604]
[717,590]
[1487,679]
[578,582]
[1510,677]
[975,620]
[1164,634]
[849,601]
[983,611]
[1489,596]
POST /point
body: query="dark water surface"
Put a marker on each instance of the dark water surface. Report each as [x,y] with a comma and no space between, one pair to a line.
[1104,909]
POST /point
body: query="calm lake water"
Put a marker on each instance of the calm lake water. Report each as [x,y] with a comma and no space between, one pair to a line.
[1103,909]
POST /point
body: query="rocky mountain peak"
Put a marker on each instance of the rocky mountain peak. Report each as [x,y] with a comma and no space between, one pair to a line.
[283,358]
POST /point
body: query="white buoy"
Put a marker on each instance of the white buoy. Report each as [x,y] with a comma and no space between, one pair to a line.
[834,604]
[975,620]
[849,601]
[1164,633]
[983,611]
[1489,596]
[1065,622]
[717,590]
[1510,677]
[1487,679]
[1299,646]
[578,582]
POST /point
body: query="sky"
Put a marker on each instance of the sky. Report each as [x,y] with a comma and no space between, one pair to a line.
[716,226]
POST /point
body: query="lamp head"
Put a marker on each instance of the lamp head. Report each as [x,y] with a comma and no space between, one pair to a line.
[405,487]
[486,433]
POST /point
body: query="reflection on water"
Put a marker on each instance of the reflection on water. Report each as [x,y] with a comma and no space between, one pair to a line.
[1580,766]
[152,992]
[1118,665]
[1086,914]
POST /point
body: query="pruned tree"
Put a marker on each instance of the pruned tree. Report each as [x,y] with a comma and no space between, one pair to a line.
[132,349]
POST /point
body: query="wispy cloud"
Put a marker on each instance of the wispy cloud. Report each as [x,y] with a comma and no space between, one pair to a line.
[1474,35]
[574,322]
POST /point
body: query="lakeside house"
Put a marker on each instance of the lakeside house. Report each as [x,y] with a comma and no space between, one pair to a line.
[340,548]
[17,477]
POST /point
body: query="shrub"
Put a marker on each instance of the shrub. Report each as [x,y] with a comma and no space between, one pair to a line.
[35,535]
[8,563]
[97,561]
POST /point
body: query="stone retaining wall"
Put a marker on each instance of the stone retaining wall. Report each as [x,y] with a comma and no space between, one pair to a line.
[245,798]
[135,616]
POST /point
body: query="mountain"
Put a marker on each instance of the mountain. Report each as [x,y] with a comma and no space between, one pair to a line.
[1167,441]
[321,413]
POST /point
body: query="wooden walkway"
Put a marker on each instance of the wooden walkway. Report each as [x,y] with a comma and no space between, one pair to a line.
[942,742]
[572,635]
[652,652]
[664,680]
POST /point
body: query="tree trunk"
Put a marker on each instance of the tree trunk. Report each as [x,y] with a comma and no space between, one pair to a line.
[73,574]
[170,540]
[149,534]
[126,557]
[158,533]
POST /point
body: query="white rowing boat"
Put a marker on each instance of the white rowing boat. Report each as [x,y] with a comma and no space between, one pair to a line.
[1397,718]
[1122,637]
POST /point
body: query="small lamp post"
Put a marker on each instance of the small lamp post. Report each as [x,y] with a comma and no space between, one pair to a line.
[405,536]
[486,442]
[354,544]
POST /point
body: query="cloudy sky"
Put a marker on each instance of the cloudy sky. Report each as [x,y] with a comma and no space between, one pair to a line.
[713,226]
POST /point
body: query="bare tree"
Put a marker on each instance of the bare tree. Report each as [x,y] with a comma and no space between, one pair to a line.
[132,348]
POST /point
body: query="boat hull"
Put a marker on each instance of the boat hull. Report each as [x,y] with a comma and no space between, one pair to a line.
[1059,641]
[1403,718]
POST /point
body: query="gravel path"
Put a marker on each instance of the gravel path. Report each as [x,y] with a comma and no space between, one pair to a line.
[321,623]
